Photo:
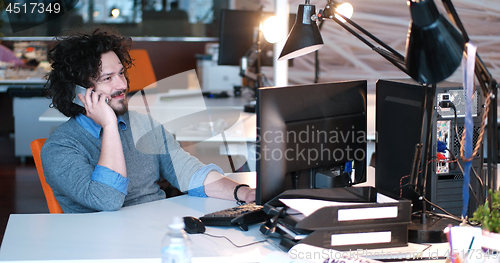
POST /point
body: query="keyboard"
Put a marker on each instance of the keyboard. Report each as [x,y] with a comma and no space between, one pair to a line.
[240,216]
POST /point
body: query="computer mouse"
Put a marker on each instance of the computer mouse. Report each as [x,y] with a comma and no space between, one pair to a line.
[193,225]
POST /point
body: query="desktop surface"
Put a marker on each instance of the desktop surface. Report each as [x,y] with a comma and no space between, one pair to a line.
[133,232]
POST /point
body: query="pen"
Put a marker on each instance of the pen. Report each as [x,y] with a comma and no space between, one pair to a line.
[468,250]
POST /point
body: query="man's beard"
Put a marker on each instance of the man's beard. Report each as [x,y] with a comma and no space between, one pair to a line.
[122,108]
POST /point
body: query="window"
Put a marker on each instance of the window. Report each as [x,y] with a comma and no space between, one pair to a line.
[158,18]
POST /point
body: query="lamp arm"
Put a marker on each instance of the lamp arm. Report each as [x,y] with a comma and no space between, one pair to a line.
[316,57]
[380,42]
[390,57]
[388,53]
[453,15]
[486,81]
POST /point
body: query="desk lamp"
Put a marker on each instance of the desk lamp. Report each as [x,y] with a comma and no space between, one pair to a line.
[433,52]
[304,37]
[266,29]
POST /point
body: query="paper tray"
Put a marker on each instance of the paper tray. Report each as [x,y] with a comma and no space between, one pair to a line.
[387,210]
[360,237]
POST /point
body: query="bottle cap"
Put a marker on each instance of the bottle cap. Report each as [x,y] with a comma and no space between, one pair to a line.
[177,223]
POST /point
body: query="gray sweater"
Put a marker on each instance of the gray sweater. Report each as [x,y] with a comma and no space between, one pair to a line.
[70,156]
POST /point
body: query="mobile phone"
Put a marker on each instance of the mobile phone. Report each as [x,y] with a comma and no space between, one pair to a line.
[79,90]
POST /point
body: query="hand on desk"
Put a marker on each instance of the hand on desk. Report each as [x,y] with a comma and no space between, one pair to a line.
[246,194]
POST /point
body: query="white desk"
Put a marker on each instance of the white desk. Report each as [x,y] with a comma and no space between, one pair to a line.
[132,233]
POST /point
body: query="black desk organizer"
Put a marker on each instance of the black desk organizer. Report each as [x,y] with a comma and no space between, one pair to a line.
[327,228]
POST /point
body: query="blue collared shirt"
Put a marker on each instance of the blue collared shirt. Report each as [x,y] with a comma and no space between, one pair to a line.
[94,128]
[111,178]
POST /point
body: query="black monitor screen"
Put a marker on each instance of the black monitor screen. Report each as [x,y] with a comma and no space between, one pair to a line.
[310,136]
[236,36]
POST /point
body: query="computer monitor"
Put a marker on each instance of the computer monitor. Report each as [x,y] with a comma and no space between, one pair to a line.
[236,36]
[310,136]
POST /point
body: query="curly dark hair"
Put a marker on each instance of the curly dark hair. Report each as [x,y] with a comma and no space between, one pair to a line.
[76,59]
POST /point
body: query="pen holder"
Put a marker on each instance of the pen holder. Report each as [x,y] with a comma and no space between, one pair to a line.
[472,245]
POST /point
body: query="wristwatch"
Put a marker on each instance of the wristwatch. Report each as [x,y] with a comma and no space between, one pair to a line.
[236,193]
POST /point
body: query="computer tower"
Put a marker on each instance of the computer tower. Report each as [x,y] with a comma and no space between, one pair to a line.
[400,107]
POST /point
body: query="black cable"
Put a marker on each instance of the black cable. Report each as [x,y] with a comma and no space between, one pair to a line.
[438,207]
[456,131]
[442,210]
[238,246]
[474,194]
[403,186]
[448,214]
[481,184]
[456,119]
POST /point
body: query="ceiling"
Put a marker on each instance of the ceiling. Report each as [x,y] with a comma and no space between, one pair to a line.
[344,57]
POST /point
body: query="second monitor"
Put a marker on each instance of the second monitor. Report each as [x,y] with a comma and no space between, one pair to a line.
[310,136]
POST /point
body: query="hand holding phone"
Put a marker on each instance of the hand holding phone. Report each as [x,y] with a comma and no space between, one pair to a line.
[81,90]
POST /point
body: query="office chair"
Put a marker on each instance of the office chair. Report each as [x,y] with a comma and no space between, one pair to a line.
[141,75]
[36,147]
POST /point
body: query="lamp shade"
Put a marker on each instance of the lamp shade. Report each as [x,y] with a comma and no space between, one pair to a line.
[304,37]
[434,46]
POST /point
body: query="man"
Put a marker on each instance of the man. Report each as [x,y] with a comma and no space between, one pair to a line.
[92,162]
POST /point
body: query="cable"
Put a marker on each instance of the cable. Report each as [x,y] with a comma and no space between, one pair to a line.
[238,246]
[448,214]
[477,177]
[450,104]
[432,204]
[401,185]
[481,184]
[438,207]
[455,160]
[460,144]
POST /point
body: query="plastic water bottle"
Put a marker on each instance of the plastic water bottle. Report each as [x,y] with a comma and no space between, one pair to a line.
[176,245]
